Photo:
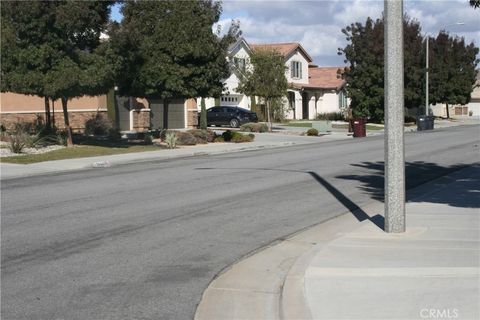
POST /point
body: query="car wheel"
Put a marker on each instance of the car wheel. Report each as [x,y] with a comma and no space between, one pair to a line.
[234,123]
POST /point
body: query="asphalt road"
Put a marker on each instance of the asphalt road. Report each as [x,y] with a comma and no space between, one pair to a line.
[143,241]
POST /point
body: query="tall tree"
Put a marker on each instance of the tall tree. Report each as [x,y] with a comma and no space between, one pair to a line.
[265,79]
[56,50]
[27,50]
[475,4]
[453,70]
[167,50]
[365,71]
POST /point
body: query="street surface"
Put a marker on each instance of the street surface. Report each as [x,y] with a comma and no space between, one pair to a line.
[143,241]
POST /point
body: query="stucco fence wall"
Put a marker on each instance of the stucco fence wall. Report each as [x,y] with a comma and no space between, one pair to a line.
[77,119]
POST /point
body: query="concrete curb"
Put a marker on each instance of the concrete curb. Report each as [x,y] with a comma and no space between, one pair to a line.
[285,297]
[273,275]
[78,164]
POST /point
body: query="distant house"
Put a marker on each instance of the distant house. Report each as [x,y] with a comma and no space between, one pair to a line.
[238,57]
[312,89]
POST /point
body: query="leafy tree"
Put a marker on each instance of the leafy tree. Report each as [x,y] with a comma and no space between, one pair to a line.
[365,73]
[166,50]
[27,53]
[453,70]
[265,79]
[475,4]
[203,115]
[55,50]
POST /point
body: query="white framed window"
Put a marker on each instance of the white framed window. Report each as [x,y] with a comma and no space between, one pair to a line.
[296,69]
[239,63]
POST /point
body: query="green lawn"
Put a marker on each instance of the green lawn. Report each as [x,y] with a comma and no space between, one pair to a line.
[81,151]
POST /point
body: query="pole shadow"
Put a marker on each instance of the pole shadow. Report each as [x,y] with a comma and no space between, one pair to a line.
[356,211]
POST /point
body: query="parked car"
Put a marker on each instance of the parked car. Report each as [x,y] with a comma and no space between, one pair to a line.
[230,116]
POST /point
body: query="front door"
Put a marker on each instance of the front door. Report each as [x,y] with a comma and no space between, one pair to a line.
[305,100]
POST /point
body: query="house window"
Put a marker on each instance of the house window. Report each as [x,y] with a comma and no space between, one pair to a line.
[296,69]
[342,99]
[239,63]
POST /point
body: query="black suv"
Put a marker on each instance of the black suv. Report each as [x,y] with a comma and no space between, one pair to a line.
[231,116]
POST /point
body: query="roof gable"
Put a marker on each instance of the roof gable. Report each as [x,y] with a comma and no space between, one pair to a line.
[241,42]
[285,49]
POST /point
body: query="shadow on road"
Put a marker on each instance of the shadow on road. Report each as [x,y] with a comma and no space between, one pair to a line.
[356,211]
[418,173]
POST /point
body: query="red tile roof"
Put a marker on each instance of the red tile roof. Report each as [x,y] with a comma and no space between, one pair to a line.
[324,78]
[285,49]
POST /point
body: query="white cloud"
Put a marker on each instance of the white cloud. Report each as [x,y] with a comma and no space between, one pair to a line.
[317,24]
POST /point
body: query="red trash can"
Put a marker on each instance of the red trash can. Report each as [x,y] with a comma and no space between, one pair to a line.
[359,127]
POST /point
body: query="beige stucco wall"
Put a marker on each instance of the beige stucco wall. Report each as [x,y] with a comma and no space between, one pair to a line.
[15,103]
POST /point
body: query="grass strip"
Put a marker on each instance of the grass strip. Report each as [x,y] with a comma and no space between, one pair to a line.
[79,151]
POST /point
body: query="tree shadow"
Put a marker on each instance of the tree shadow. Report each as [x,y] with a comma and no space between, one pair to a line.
[416,174]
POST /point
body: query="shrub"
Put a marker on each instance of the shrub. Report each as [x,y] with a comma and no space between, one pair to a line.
[35,141]
[157,134]
[171,139]
[17,142]
[312,132]
[23,127]
[62,138]
[332,116]
[254,127]
[203,136]
[186,139]
[238,138]
[147,139]
[98,125]
[219,139]
[228,135]
[114,134]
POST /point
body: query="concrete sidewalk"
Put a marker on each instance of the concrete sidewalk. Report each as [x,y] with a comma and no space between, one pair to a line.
[345,269]
[262,141]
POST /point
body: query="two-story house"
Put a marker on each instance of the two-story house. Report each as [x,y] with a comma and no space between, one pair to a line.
[312,90]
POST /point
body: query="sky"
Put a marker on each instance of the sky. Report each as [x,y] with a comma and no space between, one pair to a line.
[317,24]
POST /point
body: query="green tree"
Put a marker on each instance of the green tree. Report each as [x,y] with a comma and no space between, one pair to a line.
[452,70]
[55,50]
[265,79]
[27,53]
[166,50]
[365,71]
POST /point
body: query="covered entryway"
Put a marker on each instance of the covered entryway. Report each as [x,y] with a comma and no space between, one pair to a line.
[123,105]
[305,103]
[291,103]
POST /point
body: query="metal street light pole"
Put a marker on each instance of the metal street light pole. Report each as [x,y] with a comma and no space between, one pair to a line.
[427,103]
[394,118]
